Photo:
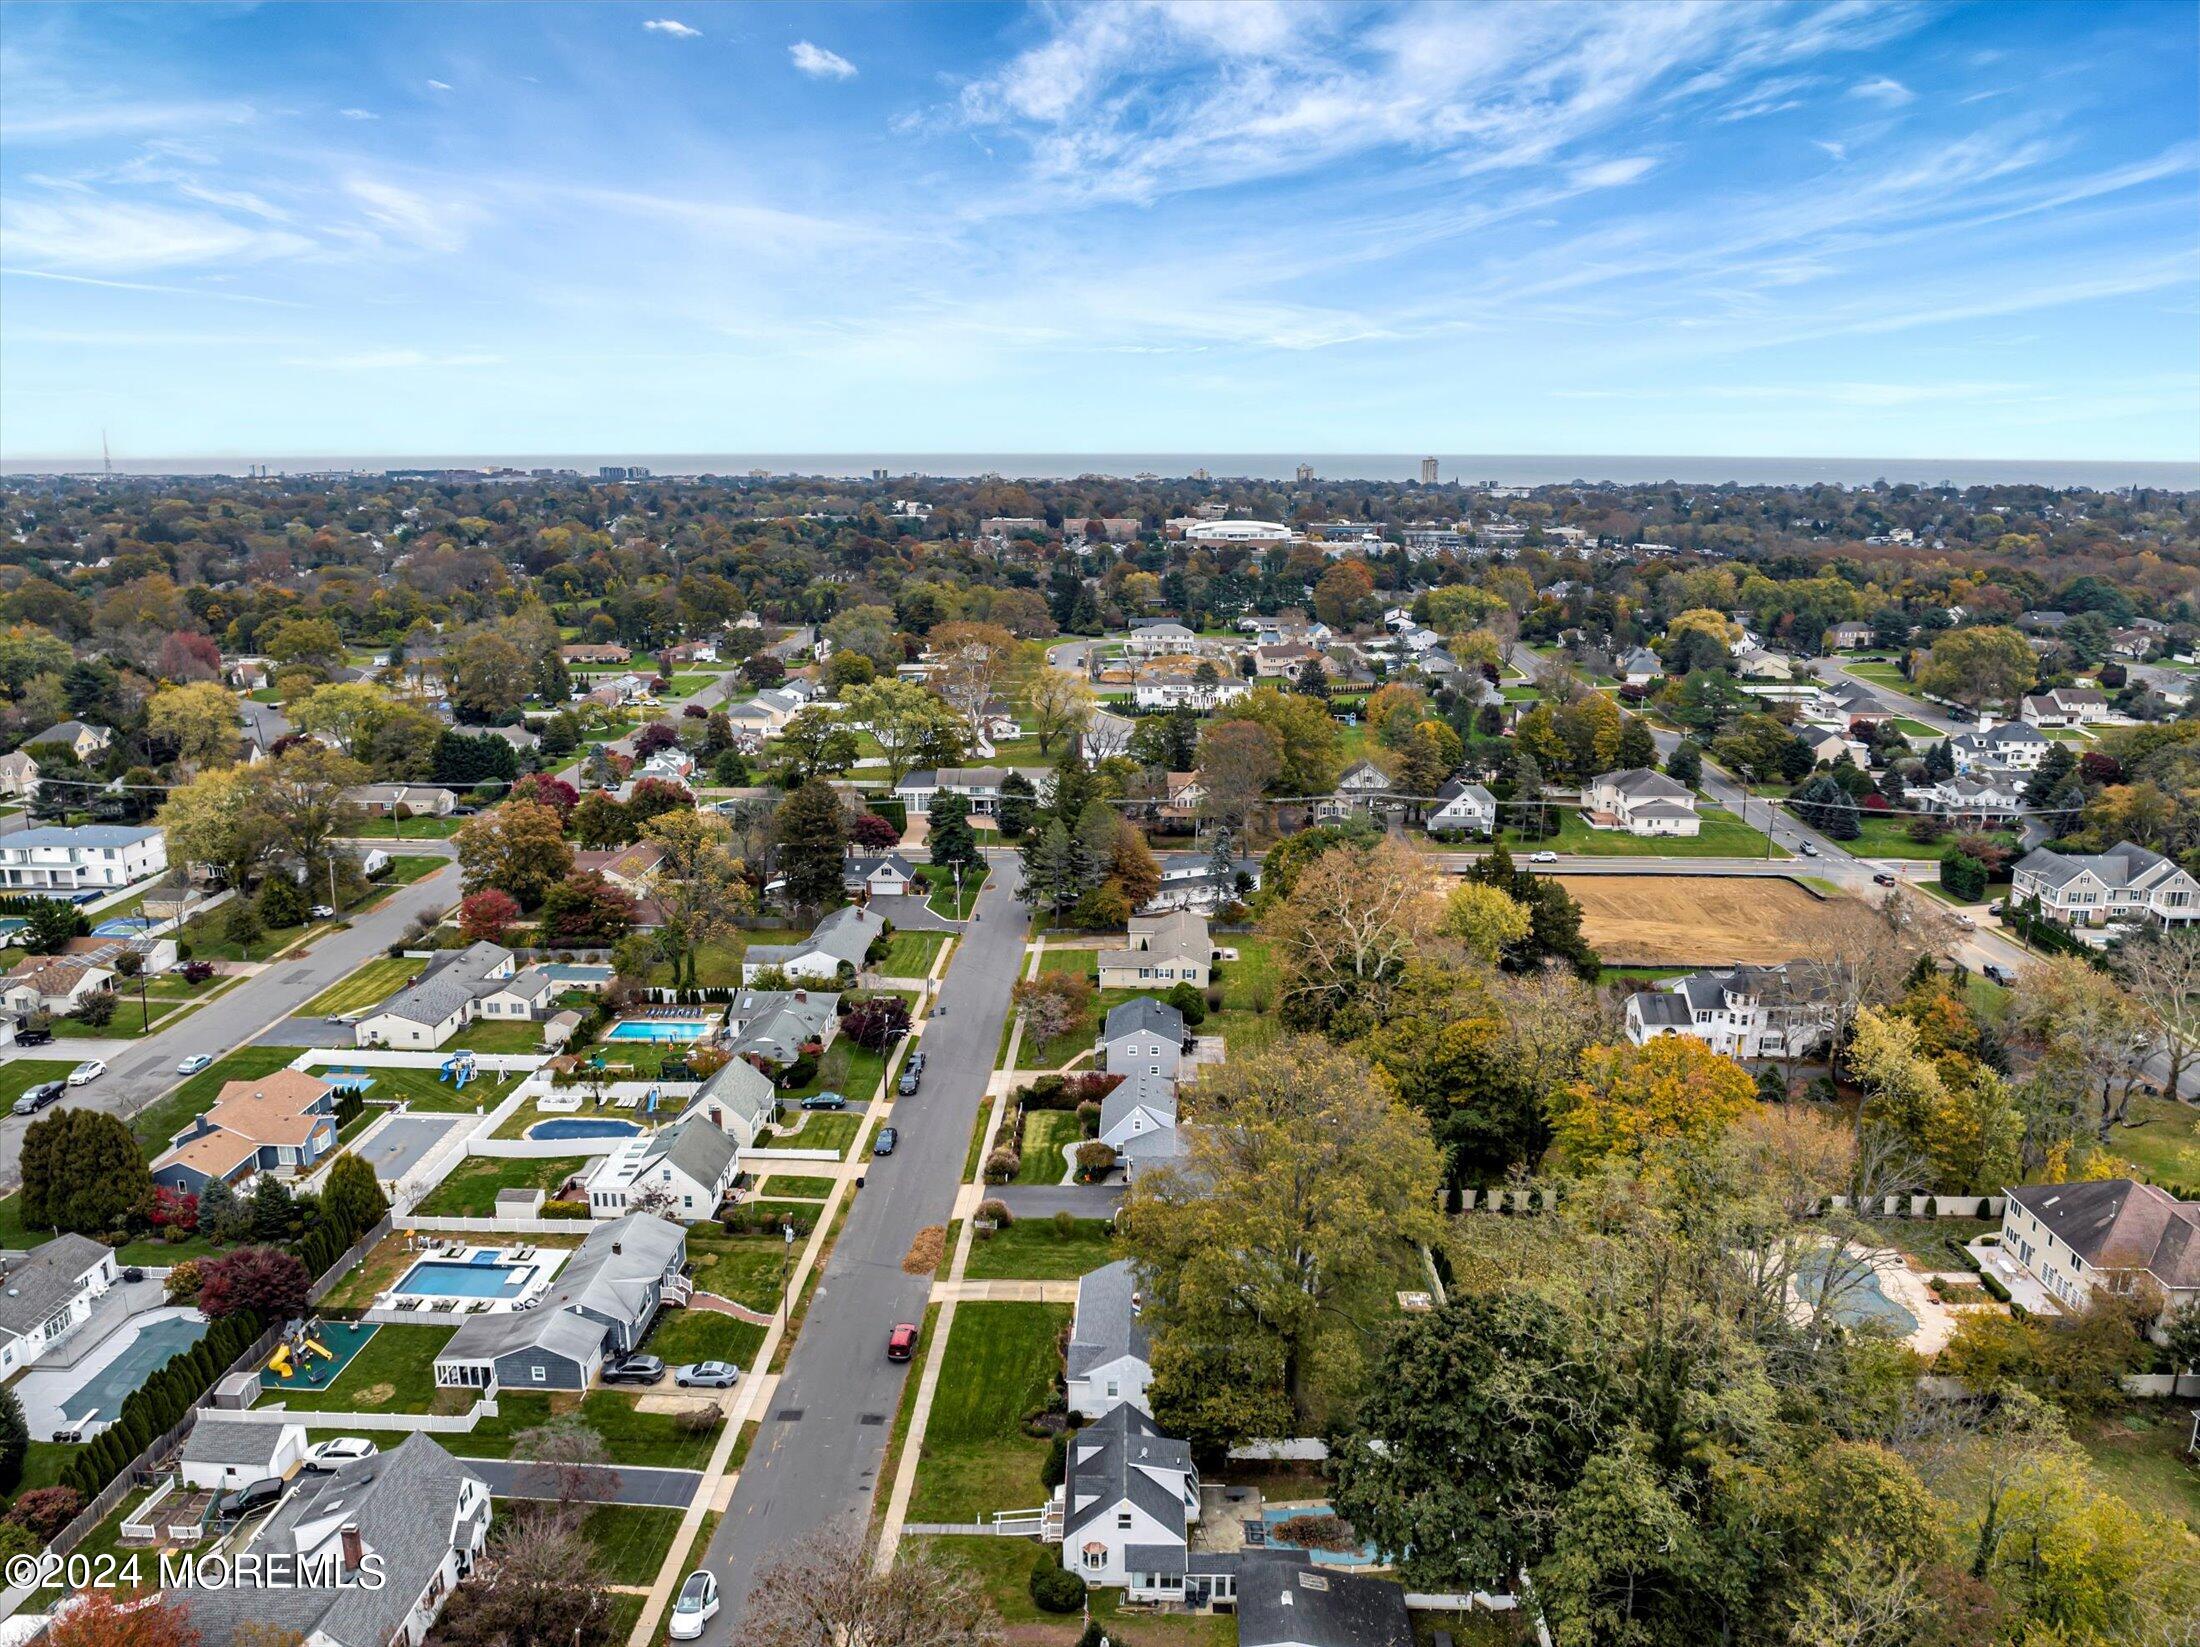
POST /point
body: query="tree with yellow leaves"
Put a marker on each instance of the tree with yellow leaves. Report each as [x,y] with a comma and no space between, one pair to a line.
[1630,1098]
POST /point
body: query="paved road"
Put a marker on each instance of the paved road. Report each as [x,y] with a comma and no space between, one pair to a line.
[628,1484]
[1908,704]
[816,1460]
[144,1070]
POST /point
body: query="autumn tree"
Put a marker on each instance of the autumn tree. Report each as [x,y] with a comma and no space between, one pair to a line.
[114,1618]
[972,663]
[263,1279]
[1238,760]
[827,1590]
[1344,934]
[1630,1098]
[519,848]
[1306,738]
[1986,666]
[910,726]
[199,722]
[488,676]
[1060,706]
[484,917]
[699,887]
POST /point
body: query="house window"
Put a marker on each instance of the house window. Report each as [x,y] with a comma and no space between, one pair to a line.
[1113,1391]
[540,1375]
[1123,1521]
[1096,1559]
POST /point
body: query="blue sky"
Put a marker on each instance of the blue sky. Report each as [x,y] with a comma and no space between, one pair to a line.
[1830,229]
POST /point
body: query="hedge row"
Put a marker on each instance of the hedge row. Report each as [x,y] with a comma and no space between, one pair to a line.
[158,1405]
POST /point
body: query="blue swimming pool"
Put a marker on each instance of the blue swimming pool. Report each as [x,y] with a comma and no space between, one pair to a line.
[1276,1516]
[1862,1300]
[582,1127]
[658,1029]
[482,1276]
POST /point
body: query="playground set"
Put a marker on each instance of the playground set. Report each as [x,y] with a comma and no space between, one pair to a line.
[312,1353]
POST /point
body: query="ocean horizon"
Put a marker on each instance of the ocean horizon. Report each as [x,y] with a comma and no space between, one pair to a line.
[1503,469]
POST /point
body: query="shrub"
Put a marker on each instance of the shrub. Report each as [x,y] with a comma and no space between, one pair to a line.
[1056,1467]
[1054,1589]
[1088,1117]
[46,1510]
[183,1282]
[1002,1165]
[564,1209]
[1094,1161]
[996,1212]
[96,1009]
[1065,1224]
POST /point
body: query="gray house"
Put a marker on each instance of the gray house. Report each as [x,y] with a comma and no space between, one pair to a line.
[1109,1360]
[774,1024]
[841,939]
[600,1304]
[738,1100]
[1144,1036]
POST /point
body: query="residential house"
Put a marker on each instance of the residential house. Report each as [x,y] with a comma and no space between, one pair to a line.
[525,996]
[2064,706]
[225,1451]
[1981,796]
[1143,1036]
[772,1026]
[440,1001]
[1466,808]
[1741,1011]
[1176,683]
[595,653]
[2172,686]
[1283,1600]
[600,1303]
[53,983]
[522,738]
[1827,745]
[52,859]
[283,1122]
[47,1293]
[1642,802]
[629,868]
[2125,883]
[382,800]
[83,739]
[18,776]
[1153,640]
[1850,704]
[2012,746]
[1138,1120]
[684,1171]
[1109,1360]
[2112,1235]
[979,785]
[1848,637]
[1283,659]
[1126,1486]
[1194,880]
[670,765]
[1639,666]
[1181,795]
[411,1514]
[1755,663]
[1164,950]
[738,1100]
[887,876]
[841,939]
[1363,787]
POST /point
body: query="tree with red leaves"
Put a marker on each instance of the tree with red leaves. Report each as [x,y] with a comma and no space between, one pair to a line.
[46,1510]
[546,790]
[653,737]
[188,656]
[653,797]
[265,1279]
[174,1209]
[102,1618]
[485,916]
[873,833]
[585,908]
[875,1023]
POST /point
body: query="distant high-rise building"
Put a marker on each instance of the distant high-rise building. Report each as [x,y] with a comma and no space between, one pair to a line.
[1428,471]
[1306,473]
[878,474]
[1201,474]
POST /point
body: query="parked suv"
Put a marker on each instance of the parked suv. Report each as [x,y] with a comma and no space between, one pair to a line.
[912,1074]
[255,1495]
[633,1369]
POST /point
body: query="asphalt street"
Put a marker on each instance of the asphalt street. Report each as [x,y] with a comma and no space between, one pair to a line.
[146,1069]
[595,1484]
[815,1462]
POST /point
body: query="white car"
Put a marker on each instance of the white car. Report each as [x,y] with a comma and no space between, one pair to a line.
[322,912]
[697,1606]
[88,1071]
[1543,857]
[345,1449]
[193,1064]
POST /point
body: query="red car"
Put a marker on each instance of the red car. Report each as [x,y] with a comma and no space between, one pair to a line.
[901,1343]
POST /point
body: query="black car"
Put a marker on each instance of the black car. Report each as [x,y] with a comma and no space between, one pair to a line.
[254,1495]
[884,1143]
[826,1100]
[633,1369]
[38,1097]
[912,1074]
[1882,879]
[33,1037]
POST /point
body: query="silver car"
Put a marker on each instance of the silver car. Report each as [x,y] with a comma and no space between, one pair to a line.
[707,1375]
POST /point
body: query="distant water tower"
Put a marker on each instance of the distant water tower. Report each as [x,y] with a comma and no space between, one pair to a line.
[1428,471]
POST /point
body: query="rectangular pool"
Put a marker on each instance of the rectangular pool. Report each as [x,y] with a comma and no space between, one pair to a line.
[658,1029]
[479,1277]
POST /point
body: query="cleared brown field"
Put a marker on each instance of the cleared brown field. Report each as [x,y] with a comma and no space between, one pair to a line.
[1671,920]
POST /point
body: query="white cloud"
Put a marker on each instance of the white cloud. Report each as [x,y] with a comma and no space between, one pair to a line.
[66,120]
[1610,174]
[359,114]
[1885,90]
[439,85]
[819,63]
[91,233]
[433,225]
[678,30]
[1839,151]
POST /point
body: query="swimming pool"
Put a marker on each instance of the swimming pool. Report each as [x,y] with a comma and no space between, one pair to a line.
[101,1395]
[582,1127]
[1274,1516]
[482,1276]
[1863,1300]
[658,1029]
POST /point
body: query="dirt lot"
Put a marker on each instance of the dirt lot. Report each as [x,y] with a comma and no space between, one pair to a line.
[1667,920]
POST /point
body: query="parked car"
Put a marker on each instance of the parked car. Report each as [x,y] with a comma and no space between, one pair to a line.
[254,1495]
[707,1375]
[2000,974]
[322,912]
[87,1072]
[1965,922]
[884,1143]
[1544,857]
[696,1607]
[33,1037]
[826,1100]
[912,1074]
[901,1343]
[193,1064]
[633,1369]
[1882,879]
[345,1449]
[38,1097]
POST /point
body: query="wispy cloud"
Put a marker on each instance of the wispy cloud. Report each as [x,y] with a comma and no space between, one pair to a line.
[819,63]
[439,85]
[395,360]
[1884,90]
[91,234]
[673,27]
[433,225]
[359,114]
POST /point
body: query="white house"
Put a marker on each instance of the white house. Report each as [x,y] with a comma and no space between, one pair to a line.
[1144,1036]
[47,1294]
[1981,795]
[1362,787]
[1108,1360]
[1639,666]
[1126,1486]
[1155,640]
[2064,706]
[53,859]
[1642,802]
[2110,1235]
[444,997]
[2125,883]
[981,786]
[684,1171]
[1464,807]
[223,1453]
[842,938]
[1742,1011]
[18,776]
[1164,950]
[738,1100]
[1172,686]
[2011,745]
[1138,1121]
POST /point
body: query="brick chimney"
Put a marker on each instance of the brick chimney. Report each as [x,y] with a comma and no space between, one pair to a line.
[355,1551]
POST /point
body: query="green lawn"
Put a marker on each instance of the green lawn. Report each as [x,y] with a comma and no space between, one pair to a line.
[394,1372]
[132,1019]
[424,1089]
[1035,1249]
[1916,729]
[1048,1134]
[406,868]
[943,900]
[1879,674]
[413,829]
[372,983]
[821,1129]
[718,962]
[910,954]
[1723,836]
[656,1440]
[846,1068]
[1000,1362]
[470,1191]
[684,1335]
[2139,1455]
[1246,1019]
[487,1035]
[1888,837]
[2165,1143]
[631,1540]
[745,1268]
[1003,1565]
[796,1185]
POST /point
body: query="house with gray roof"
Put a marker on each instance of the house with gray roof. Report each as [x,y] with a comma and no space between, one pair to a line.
[445,996]
[1741,1011]
[773,1025]
[225,1451]
[881,875]
[1125,1485]
[599,1304]
[1641,802]
[1142,1036]
[47,1293]
[1163,950]
[684,1171]
[841,939]
[413,1512]
[1138,1120]
[525,996]
[2126,883]
[80,737]
[1640,666]
[738,1099]
[2109,1234]
[2011,746]
[1463,806]
[1109,1357]
[1286,1603]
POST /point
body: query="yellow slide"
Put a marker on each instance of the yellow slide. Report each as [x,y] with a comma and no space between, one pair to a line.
[320,1349]
[279,1362]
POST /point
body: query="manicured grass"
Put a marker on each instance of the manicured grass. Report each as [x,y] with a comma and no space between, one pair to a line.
[1723,836]
[2165,1142]
[413,829]
[659,1440]
[162,1120]
[470,1190]
[822,1129]
[684,1335]
[423,1088]
[2139,1455]
[1000,1362]
[19,1077]
[796,1185]
[1879,674]
[409,867]
[1035,1249]
[490,1036]
[1924,1241]
[394,1372]
[944,902]
[631,1541]
[1048,1133]
[853,1071]
[718,962]
[910,954]
[1888,837]
[373,983]
[1246,1019]
[131,1020]
[745,1268]
[1916,729]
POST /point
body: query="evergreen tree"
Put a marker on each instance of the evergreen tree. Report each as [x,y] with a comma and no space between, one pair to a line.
[811,829]
[1636,746]
[1074,786]
[353,1199]
[1824,805]
[951,838]
[271,1209]
[15,1440]
[220,1217]
[283,901]
[1050,868]
[1094,843]
[1019,801]
[82,1171]
[1685,764]
[1312,680]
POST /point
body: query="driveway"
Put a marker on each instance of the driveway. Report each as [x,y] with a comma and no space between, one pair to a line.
[1045,1200]
[626,1484]
[310,1032]
[913,915]
[401,1142]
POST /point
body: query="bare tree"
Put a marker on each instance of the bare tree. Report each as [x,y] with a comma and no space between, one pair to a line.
[1863,953]
[538,1582]
[827,1592]
[2163,971]
[567,1461]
